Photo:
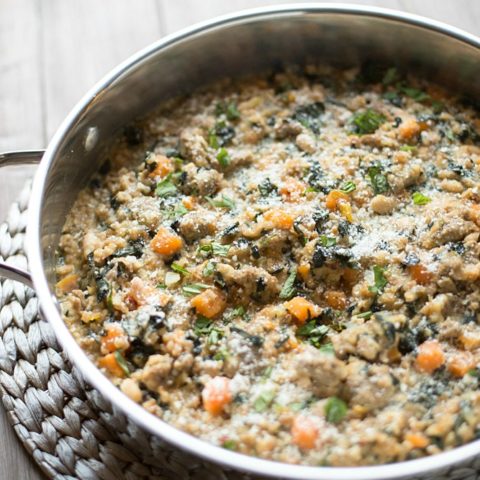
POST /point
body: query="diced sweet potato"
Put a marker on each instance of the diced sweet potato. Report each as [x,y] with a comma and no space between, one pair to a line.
[304,432]
[279,218]
[114,339]
[109,362]
[430,356]
[333,197]
[417,440]
[166,242]
[68,283]
[302,309]
[163,168]
[189,202]
[216,395]
[460,364]
[209,303]
[420,274]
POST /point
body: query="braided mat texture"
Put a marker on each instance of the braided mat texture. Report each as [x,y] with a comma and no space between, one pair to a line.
[68,428]
[71,431]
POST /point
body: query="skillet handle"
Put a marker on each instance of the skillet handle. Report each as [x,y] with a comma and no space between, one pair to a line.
[28,157]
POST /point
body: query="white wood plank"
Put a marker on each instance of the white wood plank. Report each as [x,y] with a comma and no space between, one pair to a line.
[464,14]
[179,14]
[83,40]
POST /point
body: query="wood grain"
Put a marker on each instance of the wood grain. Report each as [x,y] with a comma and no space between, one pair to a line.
[53,51]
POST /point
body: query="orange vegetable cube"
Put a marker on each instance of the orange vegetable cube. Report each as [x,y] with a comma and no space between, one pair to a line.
[209,303]
[336,299]
[304,432]
[345,209]
[115,339]
[420,274]
[333,197]
[163,168]
[417,440]
[68,283]
[304,270]
[109,362]
[302,309]
[279,218]
[189,202]
[460,364]
[166,242]
[430,356]
[409,129]
[216,395]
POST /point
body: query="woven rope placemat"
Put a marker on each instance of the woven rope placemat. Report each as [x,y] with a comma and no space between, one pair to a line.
[71,431]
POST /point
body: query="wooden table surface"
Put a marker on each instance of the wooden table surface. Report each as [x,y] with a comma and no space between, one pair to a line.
[53,51]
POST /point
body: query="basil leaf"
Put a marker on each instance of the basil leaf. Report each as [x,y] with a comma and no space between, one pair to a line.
[215,248]
[313,332]
[367,121]
[263,401]
[179,269]
[378,180]
[194,288]
[420,199]
[223,157]
[223,202]
[380,281]
[335,410]
[327,241]
[166,187]
[288,289]
[348,187]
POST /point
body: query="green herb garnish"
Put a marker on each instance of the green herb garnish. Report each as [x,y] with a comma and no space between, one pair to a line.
[194,288]
[378,180]
[365,315]
[348,187]
[215,248]
[263,401]
[313,333]
[420,199]
[408,148]
[223,157]
[288,289]
[367,121]
[209,269]
[230,110]
[237,312]
[122,362]
[229,444]
[179,269]
[266,187]
[379,280]
[414,93]
[335,410]
[327,241]
[327,348]
[222,202]
[166,187]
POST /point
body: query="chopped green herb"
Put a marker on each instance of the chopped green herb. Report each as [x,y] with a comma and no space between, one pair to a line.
[194,288]
[202,326]
[237,312]
[161,286]
[266,187]
[348,187]
[222,354]
[288,289]
[415,94]
[179,269]
[420,199]
[378,180]
[327,241]
[311,190]
[213,140]
[223,157]
[215,248]
[313,333]
[223,202]
[209,269]
[122,362]
[263,401]
[214,336]
[379,280]
[367,121]
[365,315]
[179,211]
[229,444]
[335,410]
[408,148]
[166,187]
[327,348]
[309,116]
